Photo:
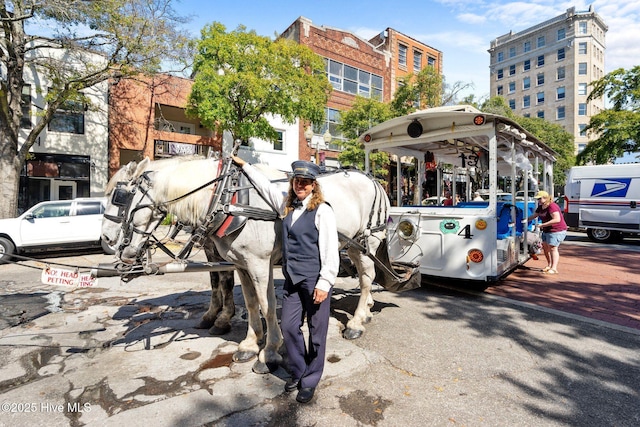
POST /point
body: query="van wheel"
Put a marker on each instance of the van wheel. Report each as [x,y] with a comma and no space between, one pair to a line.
[601,235]
[7,248]
[106,248]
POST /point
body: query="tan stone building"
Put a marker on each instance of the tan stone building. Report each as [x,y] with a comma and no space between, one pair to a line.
[545,70]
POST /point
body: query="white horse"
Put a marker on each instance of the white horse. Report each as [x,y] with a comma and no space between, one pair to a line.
[217,318]
[197,192]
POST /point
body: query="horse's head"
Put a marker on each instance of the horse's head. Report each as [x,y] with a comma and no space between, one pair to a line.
[141,216]
[119,192]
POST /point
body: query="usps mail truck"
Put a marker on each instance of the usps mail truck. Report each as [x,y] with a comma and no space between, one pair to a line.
[603,199]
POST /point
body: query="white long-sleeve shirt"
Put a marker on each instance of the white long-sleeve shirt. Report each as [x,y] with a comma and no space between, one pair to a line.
[325,222]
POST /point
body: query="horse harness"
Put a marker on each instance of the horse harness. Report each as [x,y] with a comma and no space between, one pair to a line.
[227,212]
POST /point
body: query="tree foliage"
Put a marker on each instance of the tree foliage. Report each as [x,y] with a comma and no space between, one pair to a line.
[618,128]
[364,113]
[241,77]
[127,37]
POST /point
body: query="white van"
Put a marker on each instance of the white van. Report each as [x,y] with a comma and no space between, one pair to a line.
[604,200]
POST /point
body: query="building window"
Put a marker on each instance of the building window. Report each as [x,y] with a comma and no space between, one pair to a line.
[560,113]
[500,56]
[526,115]
[561,54]
[512,70]
[561,33]
[540,42]
[512,52]
[581,147]
[512,87]
[540,79]
[526,47]
[540,61]
[526,66]
[431,61]
[278,144]
[560,93]
[560,73]
[582,109]
[582,68]
[512,104]
[583,129]
[582,48]
[540,98]
[402,55]
[540,114]
[332,122]
[353,80]
[500,73]
[582,27]
[526,83]
[69,118]
[500,90]
[526,101]
[25,105]
[582,89]
[417,61]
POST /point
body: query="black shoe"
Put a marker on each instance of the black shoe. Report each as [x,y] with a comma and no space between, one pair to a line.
[291,384]
[305,394]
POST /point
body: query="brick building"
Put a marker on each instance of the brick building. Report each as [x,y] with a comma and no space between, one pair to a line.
[147,119]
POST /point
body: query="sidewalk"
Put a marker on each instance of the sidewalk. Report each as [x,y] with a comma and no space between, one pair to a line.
[595,282]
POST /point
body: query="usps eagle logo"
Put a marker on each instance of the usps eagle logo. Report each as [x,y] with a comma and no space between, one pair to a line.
[611,187]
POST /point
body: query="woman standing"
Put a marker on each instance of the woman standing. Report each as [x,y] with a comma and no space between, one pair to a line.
[310,262]
[554,229]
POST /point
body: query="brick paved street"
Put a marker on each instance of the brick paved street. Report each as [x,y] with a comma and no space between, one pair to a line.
[594,281]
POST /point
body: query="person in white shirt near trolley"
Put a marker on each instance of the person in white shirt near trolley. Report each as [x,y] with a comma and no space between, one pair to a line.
[310,262]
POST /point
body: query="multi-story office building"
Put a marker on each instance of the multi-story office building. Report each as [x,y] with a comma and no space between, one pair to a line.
[545,70]
[354,66]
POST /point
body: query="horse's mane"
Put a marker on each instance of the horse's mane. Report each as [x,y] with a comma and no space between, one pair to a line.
[178,179]
[133,169]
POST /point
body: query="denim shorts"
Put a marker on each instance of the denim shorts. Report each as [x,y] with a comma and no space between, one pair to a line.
[553,239]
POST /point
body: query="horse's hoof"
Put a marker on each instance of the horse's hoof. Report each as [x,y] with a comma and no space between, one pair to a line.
[244,356]
[205,324]
[217,330]
[351,334]
[264,368]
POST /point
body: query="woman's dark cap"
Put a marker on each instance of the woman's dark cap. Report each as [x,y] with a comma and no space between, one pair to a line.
[304,169]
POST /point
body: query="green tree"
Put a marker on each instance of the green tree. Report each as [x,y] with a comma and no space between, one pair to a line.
[364,113]
[240,77]
[617,128]
[128,36]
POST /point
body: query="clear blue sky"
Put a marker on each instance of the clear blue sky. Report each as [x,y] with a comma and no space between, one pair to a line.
[461,30]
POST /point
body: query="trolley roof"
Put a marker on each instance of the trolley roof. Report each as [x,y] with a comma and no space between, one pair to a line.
[449,131]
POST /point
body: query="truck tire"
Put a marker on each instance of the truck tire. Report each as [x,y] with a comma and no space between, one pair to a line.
[600,235]
[7,248]
[106,248]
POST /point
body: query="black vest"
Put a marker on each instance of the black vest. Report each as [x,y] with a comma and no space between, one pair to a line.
[301,254]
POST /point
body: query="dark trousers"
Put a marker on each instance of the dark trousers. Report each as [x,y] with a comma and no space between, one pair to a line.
[306,362]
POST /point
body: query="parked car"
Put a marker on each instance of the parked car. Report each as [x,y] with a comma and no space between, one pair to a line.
[54,225]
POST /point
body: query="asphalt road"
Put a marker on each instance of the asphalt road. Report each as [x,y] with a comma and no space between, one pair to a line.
[127,354]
